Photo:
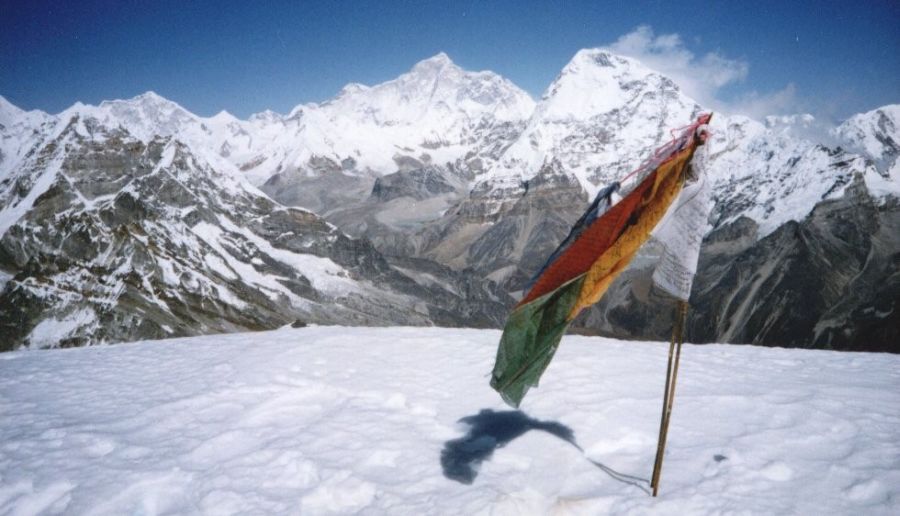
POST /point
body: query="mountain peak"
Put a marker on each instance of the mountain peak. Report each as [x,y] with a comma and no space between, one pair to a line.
[599,57]
[10,113]
[224,116]
[7,104]
[8,110]
[148,99]
[601,62]
[435,88]
[597,81]
[353,87]
[441,58]
[150,95]
[435,63]
[876,134]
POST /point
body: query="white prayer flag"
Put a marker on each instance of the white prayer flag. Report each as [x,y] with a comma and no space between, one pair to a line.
[681,233]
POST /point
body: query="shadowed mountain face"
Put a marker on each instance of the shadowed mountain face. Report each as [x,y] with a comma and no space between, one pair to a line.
[829,281]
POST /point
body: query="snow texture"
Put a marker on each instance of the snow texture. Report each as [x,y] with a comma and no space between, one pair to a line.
[330,420]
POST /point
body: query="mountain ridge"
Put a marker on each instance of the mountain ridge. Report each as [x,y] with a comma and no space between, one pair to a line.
[457,175]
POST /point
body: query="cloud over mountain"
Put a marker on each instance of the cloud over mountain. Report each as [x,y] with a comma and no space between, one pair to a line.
[705,77]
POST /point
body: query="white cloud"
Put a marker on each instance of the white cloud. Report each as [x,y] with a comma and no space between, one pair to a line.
[702,77]
[759,106]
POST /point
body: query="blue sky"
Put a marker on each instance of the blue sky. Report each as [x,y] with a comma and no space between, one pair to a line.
[829,58]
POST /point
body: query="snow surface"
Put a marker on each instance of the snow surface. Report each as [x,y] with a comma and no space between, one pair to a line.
[327,420]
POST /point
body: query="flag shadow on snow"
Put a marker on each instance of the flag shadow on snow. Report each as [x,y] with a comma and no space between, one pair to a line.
[489,430]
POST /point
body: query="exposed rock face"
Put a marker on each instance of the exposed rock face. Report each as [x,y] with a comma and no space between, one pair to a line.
[112,239]
[507,238]
[455,297]
[828,281]
[419,183]
[320,193]
[458,180]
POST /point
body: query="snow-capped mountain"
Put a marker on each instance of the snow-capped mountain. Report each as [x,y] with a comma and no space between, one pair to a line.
[108,238]
[597,120]
[436,108]
[443,167]
[603,115]
[145,116]
[436,115]
[876,135]
[19,130]
[593,125]
[769,174]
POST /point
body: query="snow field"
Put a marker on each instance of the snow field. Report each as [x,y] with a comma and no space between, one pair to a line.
[332,420]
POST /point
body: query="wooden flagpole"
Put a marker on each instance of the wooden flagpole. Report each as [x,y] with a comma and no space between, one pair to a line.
[669,394]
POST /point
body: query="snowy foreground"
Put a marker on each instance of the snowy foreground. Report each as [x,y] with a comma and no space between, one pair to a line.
[346,420]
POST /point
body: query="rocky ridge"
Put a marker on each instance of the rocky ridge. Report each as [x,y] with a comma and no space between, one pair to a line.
[444,166]
[107,238]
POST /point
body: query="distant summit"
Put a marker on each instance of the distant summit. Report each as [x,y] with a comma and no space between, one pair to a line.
[438,193]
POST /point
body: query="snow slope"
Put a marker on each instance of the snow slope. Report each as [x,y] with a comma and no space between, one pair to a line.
[773,174]
[329,420]
[876,134]
[19,131]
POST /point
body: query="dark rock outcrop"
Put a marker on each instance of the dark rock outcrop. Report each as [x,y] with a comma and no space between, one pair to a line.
[830,281]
